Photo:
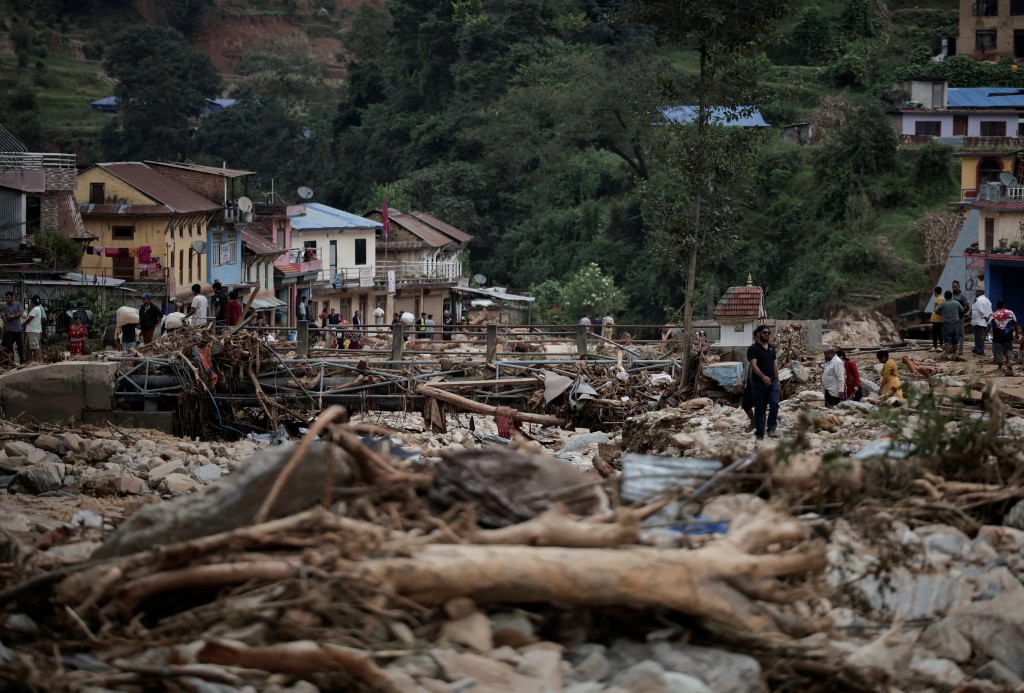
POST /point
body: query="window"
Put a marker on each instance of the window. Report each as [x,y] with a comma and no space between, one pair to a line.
[360,251]
[1016,7]
[181,267]
[985,40]
[96,194]
[990,234]
[928,128]
[224,249]
[986,8]
[123,233]
[992,128]
[937,88]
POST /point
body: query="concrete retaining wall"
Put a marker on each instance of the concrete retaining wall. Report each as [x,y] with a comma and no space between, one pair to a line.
[56,391]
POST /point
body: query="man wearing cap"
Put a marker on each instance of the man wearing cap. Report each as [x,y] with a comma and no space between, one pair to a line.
[149,318]
[833,377]
[981,311]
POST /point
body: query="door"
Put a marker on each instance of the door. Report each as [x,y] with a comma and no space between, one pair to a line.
[959,126]
[990,234]
[124,267]
[1018,43]
[334,260]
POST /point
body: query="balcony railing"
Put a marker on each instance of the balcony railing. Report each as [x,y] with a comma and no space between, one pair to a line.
[301,260]
[35,160]
[405,273]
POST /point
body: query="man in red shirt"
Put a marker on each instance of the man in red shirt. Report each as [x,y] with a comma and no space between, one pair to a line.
[233,311]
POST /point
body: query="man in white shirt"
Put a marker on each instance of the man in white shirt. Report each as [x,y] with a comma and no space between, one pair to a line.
[198,311]
[833,377]
[33,327]
[981,311]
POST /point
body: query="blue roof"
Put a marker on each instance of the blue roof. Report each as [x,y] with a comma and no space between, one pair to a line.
[719,116]
[105,101]
[223,103]
[982,97]
[323,218]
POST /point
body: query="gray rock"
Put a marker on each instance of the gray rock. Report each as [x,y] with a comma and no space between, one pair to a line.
[159,473]
[18,448]
[583,441]
[584,687]
[177,484]
[86,518]
[9,547]
[1015,518]
[684,683]
[725,672]
[996,672]
[942,639]
[48,443]
[12,465]
[74,442]
[645,677]
[595,667]
[51,458]
[416,665]
[207,474]
[995,628]
[544,665]
[35,480]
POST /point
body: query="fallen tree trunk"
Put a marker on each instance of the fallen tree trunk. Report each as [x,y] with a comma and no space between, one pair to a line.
[723,582]
[481,408]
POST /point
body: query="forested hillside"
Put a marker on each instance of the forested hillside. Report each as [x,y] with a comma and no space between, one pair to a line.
[533,125]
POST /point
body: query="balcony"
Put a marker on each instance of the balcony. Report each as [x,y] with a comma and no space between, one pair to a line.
[35,161]
[299,261]
[367,276]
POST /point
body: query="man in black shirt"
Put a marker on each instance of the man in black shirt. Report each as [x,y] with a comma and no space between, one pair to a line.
[219,305]
[764,381]
[149,317]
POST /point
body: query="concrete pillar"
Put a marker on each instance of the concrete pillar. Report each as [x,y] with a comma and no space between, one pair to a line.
[492,342]
[581,340]
[814,334]
[397,341]
[302,332]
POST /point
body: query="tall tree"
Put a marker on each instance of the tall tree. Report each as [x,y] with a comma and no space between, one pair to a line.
[161,84]
[723,33]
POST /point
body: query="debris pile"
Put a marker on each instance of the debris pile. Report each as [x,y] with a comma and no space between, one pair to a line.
[870,549]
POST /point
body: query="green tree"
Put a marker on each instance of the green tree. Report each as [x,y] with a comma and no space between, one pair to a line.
[162,82]
[590,291]
[58,250]
[723,35]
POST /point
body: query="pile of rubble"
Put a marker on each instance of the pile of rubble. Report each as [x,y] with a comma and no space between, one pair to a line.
[872,548]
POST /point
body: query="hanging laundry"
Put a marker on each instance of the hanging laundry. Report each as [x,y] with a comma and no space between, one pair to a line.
[99,251]
[132,252]
[145,254]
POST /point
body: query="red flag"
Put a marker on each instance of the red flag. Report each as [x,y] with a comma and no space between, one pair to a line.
[384,214]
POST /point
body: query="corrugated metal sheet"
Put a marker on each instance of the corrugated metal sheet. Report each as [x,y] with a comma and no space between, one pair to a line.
[447,229]
[69,221]
[260,244]
[175,197]
[12,223]
[984,97]
[732,117]
[421,230]
[320,217]
[211,170]
[500,295]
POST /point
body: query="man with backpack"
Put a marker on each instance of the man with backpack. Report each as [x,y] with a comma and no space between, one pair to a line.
[1003,324]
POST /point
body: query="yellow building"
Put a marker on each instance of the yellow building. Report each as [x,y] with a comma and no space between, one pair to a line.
[983,159]
[991,29]
[147,226]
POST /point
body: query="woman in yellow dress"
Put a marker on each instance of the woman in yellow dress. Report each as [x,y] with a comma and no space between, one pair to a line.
[890,381]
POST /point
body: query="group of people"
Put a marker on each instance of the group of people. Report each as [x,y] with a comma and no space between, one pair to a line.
[951,310]
[840,379]
[23,331]
[598,325]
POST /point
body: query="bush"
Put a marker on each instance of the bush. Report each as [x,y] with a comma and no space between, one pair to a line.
[58,250]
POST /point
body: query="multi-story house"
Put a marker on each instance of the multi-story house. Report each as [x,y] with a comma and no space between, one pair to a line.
[346,246]
[424,257]
[991,29]
[37,192]
[147,226]
[930,108]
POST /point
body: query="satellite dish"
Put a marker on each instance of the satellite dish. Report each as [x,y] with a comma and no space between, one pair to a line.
[480,279]
[305,192]
[1007,179]
[199,246]
[245,204]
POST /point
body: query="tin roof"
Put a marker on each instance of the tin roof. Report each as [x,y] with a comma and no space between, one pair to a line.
[211,170]
[175,197]
[984,97]
[445,228]
[259,243]
[320,217]
[733,117]
[69,221]
[740,303]
[998,205]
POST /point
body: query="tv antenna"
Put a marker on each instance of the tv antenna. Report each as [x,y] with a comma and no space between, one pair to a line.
[244,205]
[480,279]
[305,192]
[1007,179]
